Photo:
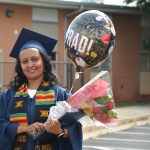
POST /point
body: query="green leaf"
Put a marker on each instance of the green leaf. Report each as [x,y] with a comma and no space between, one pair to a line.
[112,114]
[103,100]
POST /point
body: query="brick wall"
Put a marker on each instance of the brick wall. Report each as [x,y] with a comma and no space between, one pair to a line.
[126,57]
[9,30]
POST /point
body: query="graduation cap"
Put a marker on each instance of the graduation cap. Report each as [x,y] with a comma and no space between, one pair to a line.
[31,39]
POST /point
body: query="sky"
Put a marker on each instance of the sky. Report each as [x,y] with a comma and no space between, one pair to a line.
[114,2]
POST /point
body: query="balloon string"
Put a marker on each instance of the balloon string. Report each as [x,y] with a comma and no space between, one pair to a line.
[77,76]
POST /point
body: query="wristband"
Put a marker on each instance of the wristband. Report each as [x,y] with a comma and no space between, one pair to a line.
[62,133]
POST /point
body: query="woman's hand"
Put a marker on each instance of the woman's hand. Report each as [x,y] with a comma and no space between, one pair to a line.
[53,126]
[35,127]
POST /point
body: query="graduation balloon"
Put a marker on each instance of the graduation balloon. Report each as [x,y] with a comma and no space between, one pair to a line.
[89,39]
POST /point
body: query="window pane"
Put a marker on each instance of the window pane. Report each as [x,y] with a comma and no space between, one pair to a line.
[49,29]
[145,52]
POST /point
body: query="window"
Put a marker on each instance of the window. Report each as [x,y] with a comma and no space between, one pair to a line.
[145,45]
[145,57]
[49,29]
[45,21]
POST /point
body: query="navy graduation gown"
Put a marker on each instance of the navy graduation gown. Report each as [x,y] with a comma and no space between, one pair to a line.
[8,130]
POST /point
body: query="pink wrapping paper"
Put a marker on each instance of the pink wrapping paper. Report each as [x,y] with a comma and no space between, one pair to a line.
[95,99]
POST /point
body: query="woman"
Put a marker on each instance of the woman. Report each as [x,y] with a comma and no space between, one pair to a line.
[25,106]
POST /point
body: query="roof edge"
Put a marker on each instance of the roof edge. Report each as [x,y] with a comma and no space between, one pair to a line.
[75,5]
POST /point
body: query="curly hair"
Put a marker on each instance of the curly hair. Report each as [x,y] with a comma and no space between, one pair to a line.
[20,78]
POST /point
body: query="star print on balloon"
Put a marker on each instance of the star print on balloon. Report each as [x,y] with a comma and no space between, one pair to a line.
[90,39]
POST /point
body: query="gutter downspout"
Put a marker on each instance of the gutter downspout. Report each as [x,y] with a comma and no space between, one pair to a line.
[65,29]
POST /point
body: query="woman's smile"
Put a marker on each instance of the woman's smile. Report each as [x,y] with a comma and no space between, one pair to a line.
[32,70]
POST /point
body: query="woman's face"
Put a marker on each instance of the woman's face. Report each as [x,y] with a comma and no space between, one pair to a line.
[32,64]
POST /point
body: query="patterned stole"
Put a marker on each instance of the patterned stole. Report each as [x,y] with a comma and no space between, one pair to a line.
[44,99]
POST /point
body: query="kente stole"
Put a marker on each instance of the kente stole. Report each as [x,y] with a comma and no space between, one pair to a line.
[44,99]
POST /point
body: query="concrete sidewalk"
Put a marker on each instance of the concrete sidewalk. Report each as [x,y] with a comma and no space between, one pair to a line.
[128,117]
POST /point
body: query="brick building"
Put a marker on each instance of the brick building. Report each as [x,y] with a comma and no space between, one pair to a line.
[130,63]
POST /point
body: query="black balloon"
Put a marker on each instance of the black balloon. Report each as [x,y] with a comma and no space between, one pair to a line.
[90,39]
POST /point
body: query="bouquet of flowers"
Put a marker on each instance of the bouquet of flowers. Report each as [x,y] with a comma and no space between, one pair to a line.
[94,99]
